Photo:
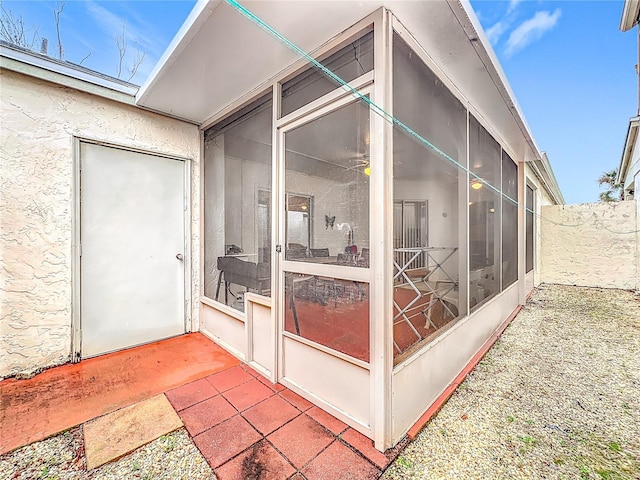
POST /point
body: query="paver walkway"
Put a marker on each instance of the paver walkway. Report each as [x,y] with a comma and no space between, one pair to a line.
[245,427]
[248,428]
[66,396]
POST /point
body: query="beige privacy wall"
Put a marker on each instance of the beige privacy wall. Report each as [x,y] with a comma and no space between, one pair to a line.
[591,244]
[39,121]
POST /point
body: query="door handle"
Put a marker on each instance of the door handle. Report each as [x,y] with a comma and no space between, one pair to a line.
[179,256]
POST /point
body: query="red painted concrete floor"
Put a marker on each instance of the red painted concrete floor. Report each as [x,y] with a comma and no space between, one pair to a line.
[66,396]
[248,428]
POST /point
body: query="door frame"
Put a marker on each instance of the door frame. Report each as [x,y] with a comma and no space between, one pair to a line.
[76,245]
[296,119]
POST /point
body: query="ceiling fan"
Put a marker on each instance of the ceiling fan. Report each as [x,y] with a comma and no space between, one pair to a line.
[362,162]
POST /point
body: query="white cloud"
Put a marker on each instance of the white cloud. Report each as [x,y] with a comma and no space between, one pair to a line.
[501,26]
[495,31]
[106,20]
[512,6]
[136,30]
[531,30]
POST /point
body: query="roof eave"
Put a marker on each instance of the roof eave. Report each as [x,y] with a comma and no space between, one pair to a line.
[198,16]
[485,52]
[65,73]
[539,160]
[625,160]
[553,186]
[630,12]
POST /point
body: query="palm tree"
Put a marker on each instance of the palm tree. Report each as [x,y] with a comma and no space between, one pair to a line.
[614,192]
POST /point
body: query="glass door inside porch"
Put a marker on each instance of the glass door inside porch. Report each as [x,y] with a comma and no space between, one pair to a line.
[325,230]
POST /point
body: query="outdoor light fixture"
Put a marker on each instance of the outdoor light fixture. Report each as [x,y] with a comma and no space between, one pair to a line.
[476,185]
[367,171]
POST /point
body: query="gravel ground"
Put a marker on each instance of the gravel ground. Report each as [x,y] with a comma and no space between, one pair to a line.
[173,456]
[557,397]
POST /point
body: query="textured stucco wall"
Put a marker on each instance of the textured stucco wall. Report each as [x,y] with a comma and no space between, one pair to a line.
[39,120]
[592,244]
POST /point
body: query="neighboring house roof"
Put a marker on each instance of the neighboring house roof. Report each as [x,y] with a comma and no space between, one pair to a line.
[627,152]
[630,12]
[64,73]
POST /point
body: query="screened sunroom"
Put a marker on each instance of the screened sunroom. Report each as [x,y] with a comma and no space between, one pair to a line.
[360,194]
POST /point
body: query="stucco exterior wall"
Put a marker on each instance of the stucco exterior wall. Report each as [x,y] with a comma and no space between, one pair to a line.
[39,122]
[591,244]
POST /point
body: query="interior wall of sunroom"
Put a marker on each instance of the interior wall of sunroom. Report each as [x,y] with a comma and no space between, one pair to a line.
[326,160]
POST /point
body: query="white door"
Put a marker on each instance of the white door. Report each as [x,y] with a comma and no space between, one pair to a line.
[323,270]
[132,217]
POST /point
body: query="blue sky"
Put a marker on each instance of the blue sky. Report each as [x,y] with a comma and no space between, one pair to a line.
[570,67]
[572,71]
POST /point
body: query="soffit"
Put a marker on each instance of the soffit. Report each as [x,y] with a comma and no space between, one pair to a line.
[630,11]
[627,151]
[219,56]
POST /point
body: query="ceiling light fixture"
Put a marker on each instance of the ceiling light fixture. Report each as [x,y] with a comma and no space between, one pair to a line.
[476,185]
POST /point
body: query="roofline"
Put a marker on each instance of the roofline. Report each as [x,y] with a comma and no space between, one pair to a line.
[190,27]
[547,181]
[552,186]
[540,163]
[630,12]
[64,73]
[494,69]
[625,160]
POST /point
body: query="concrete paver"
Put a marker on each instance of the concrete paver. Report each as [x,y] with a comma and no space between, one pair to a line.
[116,434]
